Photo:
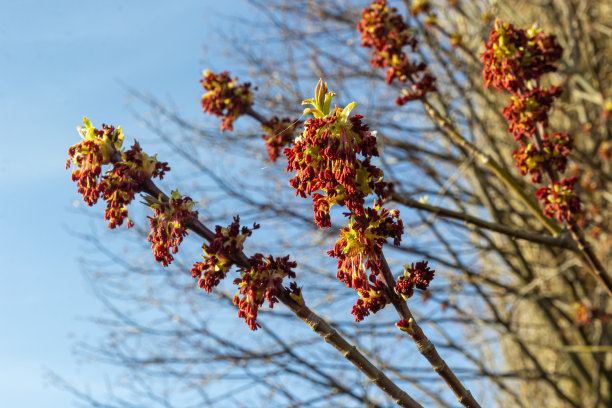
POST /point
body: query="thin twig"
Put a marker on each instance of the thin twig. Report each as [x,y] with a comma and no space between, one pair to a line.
[560,241]
[425,346]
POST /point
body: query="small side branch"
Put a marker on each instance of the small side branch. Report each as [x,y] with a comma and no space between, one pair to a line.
[560,241]
[425,346]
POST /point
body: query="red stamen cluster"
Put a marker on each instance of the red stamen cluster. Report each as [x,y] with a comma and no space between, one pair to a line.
[96,150]
[514,60]
[259,282]
[224,98]
[527,109]
[325,158]
[124,181]
[555,149]
[227,243]
[515,56]
[359,248]
[559,200]
[384,30]
[118,185]
[419,276]
[278,134]
[169,225]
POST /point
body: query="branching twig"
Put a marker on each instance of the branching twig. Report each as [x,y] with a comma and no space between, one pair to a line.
[315,322]
[425,346]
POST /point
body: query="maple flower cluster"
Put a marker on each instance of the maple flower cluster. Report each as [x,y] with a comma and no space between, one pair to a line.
[384,30]
[258,282]
[169,225]
[325,159]
[332,161]
[225,98]
[122,181]
[419,276]
[359,249]
[514,60]
[278,134]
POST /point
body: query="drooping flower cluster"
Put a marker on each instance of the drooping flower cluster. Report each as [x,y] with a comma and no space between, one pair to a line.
[225,98]
[559,200]
[279,133]
[124,181]
[169,225]
[258,282]
[514,60]
[384,30]
[227,243]
[527,109]
[119,184]
[555,149]
[514,56]
[359,249]
[325,159]
[419,276]
[332,158]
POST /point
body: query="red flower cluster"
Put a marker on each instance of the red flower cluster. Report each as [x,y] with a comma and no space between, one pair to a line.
[118,185]
[559,200]
[169,225]
[225,98]
[325,158]
[384,30]
[96,150]
[419,276]
[555,149]
[514,60]
[227,243]
[124,181]
[528,108]
[515,56]
[359,248]
[257,283]
[278,134]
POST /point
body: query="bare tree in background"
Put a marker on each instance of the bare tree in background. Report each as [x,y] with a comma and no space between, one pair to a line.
[512,310]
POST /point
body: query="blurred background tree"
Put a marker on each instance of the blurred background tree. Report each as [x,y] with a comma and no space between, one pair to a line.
[522,324]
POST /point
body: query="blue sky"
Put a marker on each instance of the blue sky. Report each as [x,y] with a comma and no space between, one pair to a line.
[60,61]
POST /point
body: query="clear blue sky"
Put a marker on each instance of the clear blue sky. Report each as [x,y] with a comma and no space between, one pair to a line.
[59,61]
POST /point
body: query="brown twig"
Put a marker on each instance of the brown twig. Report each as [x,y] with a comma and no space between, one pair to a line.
[425,346]
[560,241]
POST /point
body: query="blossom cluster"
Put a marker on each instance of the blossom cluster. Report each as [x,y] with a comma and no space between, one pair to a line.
[258,282]
[419,276]
[384,30]
[514,60]
[227,243]
[169,225]
[325,157]
[225,98]
[359,249]
[278,134]
[332,160]
[118,185]
[261,282]
[514,56]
